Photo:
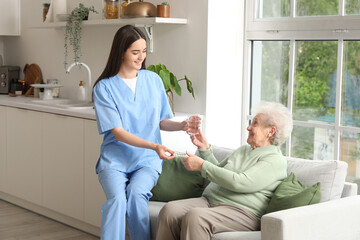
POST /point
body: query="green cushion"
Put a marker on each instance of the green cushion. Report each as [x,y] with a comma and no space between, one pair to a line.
[292,193]
[175,182]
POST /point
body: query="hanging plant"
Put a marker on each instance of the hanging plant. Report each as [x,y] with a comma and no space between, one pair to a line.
[73,30]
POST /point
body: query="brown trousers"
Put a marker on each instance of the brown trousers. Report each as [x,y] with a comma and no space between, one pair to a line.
[196,219]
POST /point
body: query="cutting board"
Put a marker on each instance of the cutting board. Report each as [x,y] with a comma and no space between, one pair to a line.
[33,75]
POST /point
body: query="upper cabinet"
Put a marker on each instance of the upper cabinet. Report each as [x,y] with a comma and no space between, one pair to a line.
[9,17]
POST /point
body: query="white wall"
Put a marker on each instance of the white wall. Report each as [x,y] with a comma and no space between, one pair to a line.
[224,72]
[182,48]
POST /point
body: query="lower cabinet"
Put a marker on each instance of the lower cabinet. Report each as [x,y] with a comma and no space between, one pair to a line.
[63,164]
[24,154]
[49,160]
[2,148]
[94,195]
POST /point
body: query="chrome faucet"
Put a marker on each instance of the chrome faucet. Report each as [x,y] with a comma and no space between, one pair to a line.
[88,94]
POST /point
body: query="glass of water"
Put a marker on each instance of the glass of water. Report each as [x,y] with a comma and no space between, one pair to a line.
[194,124]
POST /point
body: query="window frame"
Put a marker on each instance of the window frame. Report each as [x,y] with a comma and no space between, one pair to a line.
[340,28]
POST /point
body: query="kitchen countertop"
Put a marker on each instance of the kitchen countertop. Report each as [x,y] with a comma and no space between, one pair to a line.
[26,103]
[177,140]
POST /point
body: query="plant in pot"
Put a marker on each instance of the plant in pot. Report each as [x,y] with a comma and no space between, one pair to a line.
[171,83]
[163,10]
[73,30]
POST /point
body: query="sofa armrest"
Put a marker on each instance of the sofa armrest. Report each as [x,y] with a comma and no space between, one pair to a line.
[332,220]
[350,189]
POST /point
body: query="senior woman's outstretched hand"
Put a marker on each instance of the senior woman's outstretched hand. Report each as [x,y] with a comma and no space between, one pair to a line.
[193,162]
[200,140]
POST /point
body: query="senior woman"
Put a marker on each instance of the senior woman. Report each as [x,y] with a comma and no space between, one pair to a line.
[240,186]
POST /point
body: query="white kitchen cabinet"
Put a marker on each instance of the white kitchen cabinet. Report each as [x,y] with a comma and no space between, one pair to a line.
[2,148]
[24,154]
[9,17]
[63,164]
[94,195]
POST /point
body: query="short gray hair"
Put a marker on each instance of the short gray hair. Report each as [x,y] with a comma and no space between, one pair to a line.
[277,115]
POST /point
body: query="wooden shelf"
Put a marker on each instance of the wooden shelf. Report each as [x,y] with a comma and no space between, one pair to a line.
[124,21]
[146,22]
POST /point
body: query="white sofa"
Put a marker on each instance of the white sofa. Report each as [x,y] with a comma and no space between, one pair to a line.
[335,217]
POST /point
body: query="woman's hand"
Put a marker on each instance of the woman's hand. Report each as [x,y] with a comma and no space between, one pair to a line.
[200,141]
[184,125]
[161,150]
[193,162]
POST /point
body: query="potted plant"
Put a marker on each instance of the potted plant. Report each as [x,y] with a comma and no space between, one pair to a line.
[171,83]
[73,30]
[163,10]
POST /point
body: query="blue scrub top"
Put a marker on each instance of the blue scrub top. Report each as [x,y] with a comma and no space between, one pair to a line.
[116,105]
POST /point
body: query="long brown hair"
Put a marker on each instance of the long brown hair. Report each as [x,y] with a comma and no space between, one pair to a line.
[123,39]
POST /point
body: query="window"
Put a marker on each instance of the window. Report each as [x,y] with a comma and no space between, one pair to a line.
[306,55]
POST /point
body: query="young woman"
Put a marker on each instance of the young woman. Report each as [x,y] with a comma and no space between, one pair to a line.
[131,107]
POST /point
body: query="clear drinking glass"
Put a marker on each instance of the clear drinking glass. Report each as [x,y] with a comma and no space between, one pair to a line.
[194,122]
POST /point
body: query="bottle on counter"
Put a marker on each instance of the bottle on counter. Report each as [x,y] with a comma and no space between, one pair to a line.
[23,86]
[81,92]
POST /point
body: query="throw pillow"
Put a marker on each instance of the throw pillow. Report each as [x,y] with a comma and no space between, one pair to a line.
[175,182]
[330,173]
[293,193]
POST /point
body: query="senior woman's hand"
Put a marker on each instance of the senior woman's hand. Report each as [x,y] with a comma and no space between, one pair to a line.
[200,140]
[193,162]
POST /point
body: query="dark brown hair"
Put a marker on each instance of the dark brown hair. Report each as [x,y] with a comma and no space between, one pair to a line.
[123,39]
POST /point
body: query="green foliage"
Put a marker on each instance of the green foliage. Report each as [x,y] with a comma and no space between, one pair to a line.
[276,8]
[73,30]
[275,71]
[171,83]
[352,7]
[317,7]
[164,3]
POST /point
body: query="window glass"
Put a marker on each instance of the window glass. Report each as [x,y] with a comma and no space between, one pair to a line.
[317,7]
[350,152]
[350,104]
[270,71]
[312,143]
[352,7]
[273,8]
[315,67]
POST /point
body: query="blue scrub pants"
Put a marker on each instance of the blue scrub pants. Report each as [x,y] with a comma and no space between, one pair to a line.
[127,195]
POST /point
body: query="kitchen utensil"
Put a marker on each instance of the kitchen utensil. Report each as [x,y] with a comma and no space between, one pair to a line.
[33,74]
[140,9]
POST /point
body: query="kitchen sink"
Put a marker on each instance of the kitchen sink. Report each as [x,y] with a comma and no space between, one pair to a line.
[64,103]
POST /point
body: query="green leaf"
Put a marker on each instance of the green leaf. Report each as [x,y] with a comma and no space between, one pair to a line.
[165,76]
[158,68]
[163,66]
[189,86]
[151,68]
[175,84]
